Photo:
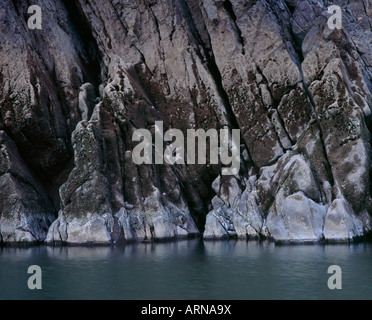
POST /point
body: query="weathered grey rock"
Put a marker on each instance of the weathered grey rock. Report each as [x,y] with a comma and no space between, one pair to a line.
[87,97]
[235,214]
[87,214]
[303,218]
[25,211]
[73,93]
[341,223]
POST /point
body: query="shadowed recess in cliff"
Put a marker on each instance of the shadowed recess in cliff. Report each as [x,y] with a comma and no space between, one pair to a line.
[92,57]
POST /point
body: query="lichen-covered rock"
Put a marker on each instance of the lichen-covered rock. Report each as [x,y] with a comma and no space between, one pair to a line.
[89,200]
[73,93]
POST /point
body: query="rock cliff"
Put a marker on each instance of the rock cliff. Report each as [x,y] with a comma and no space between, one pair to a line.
[73,93]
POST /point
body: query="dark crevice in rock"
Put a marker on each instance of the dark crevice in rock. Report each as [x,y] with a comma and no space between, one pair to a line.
[298,58]
[194,17]
[288,34]
[230,11]
[291,6]
[275,106]
[214,71]
[266,82]
[306,88]
[117,16]
[15,5]
[92,58]
[216,74]
[207,56]
[328,166]
[281,122]
[325,154]
[156,22]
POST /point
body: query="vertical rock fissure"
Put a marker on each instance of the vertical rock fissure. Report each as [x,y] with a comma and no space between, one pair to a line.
[93,57]
[230,11]
[217,77]
[298,58]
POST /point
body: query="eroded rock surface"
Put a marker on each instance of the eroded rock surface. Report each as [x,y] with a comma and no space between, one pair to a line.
[73,93]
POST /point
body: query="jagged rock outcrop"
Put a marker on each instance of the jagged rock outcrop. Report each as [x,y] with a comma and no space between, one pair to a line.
[73,93]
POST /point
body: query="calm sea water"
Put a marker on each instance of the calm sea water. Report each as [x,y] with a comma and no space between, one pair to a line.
[188,270]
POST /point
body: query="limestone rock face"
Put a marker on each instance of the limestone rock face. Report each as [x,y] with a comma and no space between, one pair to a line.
[73,93]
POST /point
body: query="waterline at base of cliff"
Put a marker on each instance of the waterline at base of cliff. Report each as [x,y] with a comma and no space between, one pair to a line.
[192,269]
